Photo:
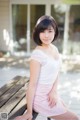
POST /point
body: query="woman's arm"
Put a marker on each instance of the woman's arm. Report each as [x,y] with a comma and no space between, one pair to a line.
[34,74]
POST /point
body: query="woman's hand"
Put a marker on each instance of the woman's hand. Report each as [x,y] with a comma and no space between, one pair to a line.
[26,116]
[52,98]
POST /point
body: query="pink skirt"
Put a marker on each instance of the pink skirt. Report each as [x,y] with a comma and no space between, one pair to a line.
[41,104]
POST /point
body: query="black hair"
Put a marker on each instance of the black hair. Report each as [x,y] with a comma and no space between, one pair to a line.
[42,24]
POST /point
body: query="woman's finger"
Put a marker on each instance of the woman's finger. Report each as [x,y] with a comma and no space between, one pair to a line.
[52,103]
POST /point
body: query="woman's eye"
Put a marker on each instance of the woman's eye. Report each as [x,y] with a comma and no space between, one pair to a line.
[50,30]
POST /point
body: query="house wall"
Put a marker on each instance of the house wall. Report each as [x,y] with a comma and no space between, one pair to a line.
[6,40]
[4,24]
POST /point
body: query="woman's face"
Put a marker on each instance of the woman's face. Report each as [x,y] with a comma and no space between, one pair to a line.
[47,35]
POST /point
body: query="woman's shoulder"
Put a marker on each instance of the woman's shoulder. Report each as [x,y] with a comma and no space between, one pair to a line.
[38,48]
[38,55]
[37,51]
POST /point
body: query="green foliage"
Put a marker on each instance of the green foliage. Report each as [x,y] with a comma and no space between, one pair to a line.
[71,1]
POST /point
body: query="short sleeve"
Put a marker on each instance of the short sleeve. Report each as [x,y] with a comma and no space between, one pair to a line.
[36,55]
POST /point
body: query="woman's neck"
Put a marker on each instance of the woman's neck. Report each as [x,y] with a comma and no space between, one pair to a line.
[46,46]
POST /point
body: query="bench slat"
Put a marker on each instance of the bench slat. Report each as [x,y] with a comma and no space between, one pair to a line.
[12,91]
[14,101]
[19,109]
[7,86]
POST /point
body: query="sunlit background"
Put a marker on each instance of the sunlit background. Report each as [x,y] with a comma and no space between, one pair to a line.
[17,20]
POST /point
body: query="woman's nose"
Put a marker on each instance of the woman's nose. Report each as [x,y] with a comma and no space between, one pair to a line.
[46,34]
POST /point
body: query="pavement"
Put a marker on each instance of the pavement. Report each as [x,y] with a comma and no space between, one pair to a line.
[69,85]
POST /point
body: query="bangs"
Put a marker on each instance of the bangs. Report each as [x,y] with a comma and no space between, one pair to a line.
[45,24]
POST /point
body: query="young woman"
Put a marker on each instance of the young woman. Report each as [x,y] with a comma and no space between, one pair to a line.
[45,62]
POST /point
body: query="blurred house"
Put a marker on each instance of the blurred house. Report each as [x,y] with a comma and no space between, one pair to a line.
[18,17]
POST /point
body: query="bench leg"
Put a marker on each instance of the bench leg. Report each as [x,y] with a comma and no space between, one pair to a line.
[48,118]
[35,114]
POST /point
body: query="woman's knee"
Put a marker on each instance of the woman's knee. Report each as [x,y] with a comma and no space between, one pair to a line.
[66,116]
[72,115]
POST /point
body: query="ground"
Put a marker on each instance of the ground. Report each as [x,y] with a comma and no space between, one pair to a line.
[69,87]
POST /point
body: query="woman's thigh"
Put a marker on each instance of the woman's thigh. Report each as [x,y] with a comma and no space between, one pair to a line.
[66,116]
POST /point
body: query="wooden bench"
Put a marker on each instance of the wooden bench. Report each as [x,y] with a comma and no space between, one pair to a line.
[13,98]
